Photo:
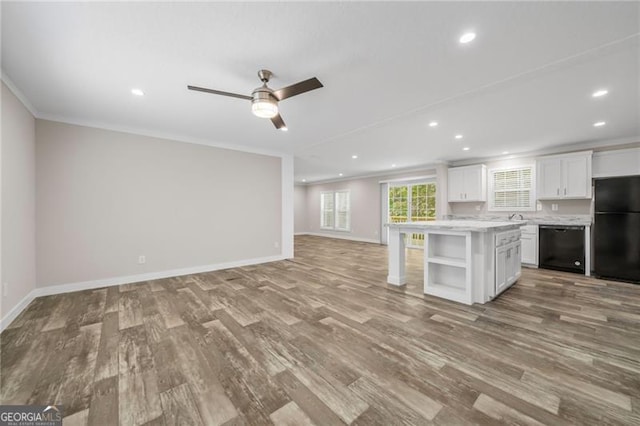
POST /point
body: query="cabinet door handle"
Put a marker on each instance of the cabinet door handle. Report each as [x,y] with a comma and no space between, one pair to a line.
[565,191]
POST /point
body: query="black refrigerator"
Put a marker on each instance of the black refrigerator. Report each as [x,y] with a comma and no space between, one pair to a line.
[617,228]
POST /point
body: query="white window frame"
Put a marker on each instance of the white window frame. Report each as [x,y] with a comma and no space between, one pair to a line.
[334,195]
[532,192]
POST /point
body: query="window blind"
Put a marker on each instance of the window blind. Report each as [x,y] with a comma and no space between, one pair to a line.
[326,210]
[342,210]
[512,189]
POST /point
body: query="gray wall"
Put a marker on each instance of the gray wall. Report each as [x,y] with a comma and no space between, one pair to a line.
[17,267]
[300,209]
[105,198]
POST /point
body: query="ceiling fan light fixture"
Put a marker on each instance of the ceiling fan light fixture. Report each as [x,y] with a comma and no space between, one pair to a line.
[264,108]
[264,105]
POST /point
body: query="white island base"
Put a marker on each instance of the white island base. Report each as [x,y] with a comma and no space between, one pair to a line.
[467,262]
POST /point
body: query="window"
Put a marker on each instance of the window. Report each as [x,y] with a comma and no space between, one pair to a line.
[415,202]
[511,189]
[412,202]
[335,210]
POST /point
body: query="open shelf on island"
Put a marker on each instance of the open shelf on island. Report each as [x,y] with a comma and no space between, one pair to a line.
[451,261]
[443,246]
[446,276]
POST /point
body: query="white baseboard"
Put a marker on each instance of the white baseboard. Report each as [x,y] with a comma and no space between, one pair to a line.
[341,237]
[107,282]
[15,311]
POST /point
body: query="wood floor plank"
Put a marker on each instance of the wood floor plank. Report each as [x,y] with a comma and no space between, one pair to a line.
[500,412]
[76,388]
[308,401]
[204,383]
[290,415]
[107,359]
[179,407]
[104,403]
[130,310]
[138,398]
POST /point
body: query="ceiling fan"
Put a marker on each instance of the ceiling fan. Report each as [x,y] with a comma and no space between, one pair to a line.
[264,100]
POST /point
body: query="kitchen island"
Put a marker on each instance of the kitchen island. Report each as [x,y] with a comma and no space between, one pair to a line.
[464,261]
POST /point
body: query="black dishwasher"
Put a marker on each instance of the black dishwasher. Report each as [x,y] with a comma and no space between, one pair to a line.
[562,248]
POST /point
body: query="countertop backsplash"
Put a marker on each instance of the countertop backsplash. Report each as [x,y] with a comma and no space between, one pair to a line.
[579,212]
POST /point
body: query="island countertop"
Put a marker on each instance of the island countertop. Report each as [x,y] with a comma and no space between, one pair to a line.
[460,225]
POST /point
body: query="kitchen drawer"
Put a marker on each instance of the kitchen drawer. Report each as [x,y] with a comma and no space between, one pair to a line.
[507,237]
[529,229]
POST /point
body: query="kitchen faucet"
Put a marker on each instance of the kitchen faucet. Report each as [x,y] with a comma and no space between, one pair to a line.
[512,215]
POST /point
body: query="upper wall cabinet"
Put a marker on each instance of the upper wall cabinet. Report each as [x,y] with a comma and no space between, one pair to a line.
[566,176]
[466,184]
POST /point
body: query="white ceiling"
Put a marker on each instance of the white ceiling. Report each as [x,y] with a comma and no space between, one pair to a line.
[524,84]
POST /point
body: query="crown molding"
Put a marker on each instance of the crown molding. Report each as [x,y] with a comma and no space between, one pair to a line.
[18,93]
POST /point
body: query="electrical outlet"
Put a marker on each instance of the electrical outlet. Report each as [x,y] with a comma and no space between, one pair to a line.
[554,207]
[478,208]
[142,260]
[539,207]
[276,244]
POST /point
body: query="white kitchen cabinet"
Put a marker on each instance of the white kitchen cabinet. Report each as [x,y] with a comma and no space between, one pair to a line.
[508,268]
[529,247]
[566,176]
[620,162]
[501,269]
[467,184]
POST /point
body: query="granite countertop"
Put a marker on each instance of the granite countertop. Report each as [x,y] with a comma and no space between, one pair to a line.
[461,225]
[558,221]
[577,220]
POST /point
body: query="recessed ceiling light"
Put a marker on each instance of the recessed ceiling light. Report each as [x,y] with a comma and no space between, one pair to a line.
[466,148]
[354,156]
[284,129]
[599,93]
[340,174]
[505,152]
[137,92]
[433,124]
[599,124]
[467,37]
[304,180]
[393,165]
[458,136]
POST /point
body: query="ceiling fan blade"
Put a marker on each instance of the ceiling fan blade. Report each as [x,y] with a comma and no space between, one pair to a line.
[219,92]
[297,89]
[278,122]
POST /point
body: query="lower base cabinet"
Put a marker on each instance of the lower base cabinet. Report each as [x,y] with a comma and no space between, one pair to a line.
[508,268]
[529,240]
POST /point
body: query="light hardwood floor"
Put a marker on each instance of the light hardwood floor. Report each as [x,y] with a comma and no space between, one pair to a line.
[322,340]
